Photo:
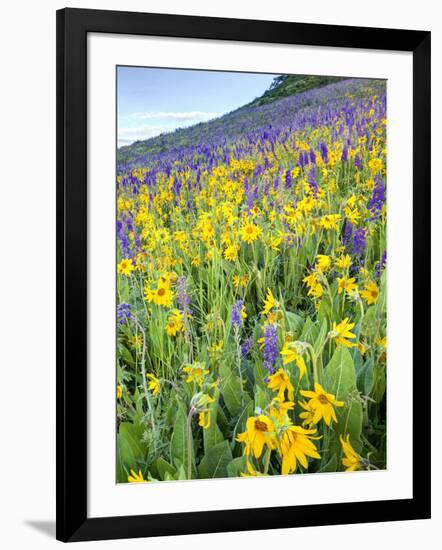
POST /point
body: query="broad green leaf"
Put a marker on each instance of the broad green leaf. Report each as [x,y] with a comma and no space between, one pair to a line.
[181,474]
[379,383]
[369,324]
[325,310]
[129,434]
[309,332]
[236,466]
[121,469]
[126,355]
[163,467]
[322,334]
[294,322]
[178,444]
[231,389]
[130,450]
[369,378]
[213,435]
[320,339]
[261,398]
[365,377]
[349,422]
[215,461]
[260,373]
[340,374]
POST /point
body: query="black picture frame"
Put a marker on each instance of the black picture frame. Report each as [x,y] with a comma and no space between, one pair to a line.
[73,25]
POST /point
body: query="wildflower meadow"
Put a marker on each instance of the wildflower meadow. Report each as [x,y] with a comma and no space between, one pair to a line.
[251,290]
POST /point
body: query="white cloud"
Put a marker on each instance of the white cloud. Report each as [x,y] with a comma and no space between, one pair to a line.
[129,135]
[186,115]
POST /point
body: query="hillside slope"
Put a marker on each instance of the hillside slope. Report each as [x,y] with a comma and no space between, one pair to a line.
[287,85]
[246,120]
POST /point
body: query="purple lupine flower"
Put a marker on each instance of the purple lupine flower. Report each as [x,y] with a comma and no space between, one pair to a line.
[381,264]
[359,241]
[288,179]
[324,151]
[252,196]
[312,156]
[176,187]
[237,318]
[344,156]
[312,181]
[378,197]
[303,159]
[124,314]
[124,240]
[246,346]
[270,347]
[347,233]
[357,161]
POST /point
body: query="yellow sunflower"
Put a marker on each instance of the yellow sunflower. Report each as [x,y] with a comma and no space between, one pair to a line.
[295,446]
[351,461]
[260,431]
[279,382]
[322,403]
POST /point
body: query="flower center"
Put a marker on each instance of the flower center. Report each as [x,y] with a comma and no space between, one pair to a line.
[161,292]
[323,399]
[261,426]
[249,230]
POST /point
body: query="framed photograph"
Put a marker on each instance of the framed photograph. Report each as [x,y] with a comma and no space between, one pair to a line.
[243,230]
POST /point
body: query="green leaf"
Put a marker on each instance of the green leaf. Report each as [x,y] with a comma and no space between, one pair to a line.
[365,377]
[322,334]
[213,435]
[181,474]
[369,323]
[178,443]
[379,383]
[121,469]
[340,374]
[294,322]
[231,389]
[130,450]
[369,378]
[236,466]
[163,467]
[309,332]
[128,435]
[126,355]
[259,373]
[349,422]
[215,461]
[330,466]
[325,310]
[261,398]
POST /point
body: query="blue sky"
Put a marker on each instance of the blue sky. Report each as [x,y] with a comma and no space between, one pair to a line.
[153,101]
